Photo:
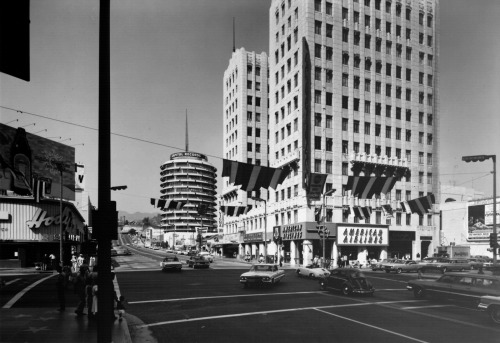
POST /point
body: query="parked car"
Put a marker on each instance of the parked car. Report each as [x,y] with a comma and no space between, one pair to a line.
[171,262]
[191,253]
[262,274]
[114,252]
[402,266]
[312,272]
[198,262]
[206,255]
[463,287]
[447,264]
[491,305]
[378,265]
[348,281]
[476,263]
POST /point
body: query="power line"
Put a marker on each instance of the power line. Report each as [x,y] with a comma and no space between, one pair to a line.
[94,129]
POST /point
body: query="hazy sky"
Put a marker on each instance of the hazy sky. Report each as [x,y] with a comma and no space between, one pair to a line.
[169,56]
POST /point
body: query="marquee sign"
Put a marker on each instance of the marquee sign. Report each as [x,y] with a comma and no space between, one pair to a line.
[41,219]
[362,236]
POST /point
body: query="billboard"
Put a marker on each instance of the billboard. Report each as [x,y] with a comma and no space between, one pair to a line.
[28,160]
[480,219]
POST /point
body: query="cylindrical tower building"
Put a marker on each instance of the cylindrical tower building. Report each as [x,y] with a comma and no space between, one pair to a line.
[188,177]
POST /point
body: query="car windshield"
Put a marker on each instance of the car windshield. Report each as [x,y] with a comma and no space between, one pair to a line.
[355,274]
[264,267]
[170,259]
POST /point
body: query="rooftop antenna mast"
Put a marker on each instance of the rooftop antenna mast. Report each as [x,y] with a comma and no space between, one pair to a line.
[234,45]
[187,137]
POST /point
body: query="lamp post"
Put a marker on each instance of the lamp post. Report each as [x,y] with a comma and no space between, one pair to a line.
[481,158]
[325,231]
[265,225]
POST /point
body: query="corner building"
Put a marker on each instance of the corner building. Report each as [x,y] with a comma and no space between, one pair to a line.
[353,83]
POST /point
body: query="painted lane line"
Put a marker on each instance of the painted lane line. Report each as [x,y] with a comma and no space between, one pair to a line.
[221,297]
[246,314]
[391,289]
[11,281]
[23,292]
[372,326]
[419,307]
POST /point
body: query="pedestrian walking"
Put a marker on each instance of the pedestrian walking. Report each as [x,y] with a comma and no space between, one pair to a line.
[45,261]
[80,260]
[61,287]
[120,307]
[80,290]
[52,258]
[74,265]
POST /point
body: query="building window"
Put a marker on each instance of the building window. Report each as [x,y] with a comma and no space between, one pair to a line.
[357,61]
[317,74]
[317,5]
[378,86]
[345,124]
[429,178]
[408,54]
[388,111]
[328,122]
[317,119]
[329,8]
[249,146]
[367,106]
[328,167]
[408,94]
[345,58]
[356,126]
[408,135]
[388,68]
[329,54]
[345,35]
[388,89]
[317,97]
[317,50]
[420,158]
[367,128]
[367,85]
[429,119]
[367,41]
[329,144]
[317,27]
[429,159]
[345,80]
[387,132]
[345,102]
[317,166]
[345,168]
[317,142]
[429,139]
[356,104]
[249,131]
[355,147]
[408,155]
[378,129]
[345,147]
[388,151]
[367,148]
[398,218]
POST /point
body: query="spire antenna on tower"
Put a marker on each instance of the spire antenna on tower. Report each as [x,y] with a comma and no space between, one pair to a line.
[234,33]
[187,137]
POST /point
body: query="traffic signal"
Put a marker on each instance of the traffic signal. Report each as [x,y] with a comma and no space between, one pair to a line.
[475,158]
[493,240]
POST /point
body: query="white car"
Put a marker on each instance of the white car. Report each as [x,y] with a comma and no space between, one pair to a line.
[312,272]
[490,304]
[171,262]
[262,274]
[206,255]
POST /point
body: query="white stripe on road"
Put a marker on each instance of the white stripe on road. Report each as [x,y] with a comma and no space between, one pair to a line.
[419,307]
[220,297]
[23,292]
[371,326]
[11,281]
[267,312]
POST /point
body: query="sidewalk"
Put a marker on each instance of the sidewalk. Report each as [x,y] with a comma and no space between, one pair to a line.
[48,325]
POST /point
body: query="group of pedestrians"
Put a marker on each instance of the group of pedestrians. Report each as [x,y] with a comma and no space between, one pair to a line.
[86,288]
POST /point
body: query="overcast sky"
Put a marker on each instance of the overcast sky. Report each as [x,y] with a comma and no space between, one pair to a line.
[169,56]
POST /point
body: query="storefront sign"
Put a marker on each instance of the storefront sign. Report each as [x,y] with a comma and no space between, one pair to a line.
[188,154]
[40,218]
[291,232]
[253,237]
[362,236]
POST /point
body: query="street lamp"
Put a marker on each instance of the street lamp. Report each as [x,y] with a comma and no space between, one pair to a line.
[265,225]
[325,231]
[481,158]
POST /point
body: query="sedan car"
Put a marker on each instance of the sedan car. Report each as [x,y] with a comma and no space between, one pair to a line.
[378,265]
[402,266]
[348,281]
[312,272]
[448,265]
[262,274]
[206,255]
[198,262]
[171,262]
[463,287]
[491,305]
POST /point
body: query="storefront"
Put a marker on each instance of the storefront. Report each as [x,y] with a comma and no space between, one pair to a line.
[29,230]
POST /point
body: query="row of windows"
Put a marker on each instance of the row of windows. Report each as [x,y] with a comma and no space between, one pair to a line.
[388,152]
[378,44]
[345,16]
[388,221]
[388,131]
[378,64]
[378,84]
[368,103]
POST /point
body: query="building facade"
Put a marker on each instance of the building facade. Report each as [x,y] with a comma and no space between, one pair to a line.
[188,177]
[353,87]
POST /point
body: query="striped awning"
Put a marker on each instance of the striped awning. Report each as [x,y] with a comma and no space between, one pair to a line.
[252,177]
[235,211]
[422,205]
[365,187]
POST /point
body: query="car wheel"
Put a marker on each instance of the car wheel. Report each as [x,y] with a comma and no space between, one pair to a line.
[495,314]
[346,290]
[311,276]
[399,270]
[419,293]
[322,286]
[298,273]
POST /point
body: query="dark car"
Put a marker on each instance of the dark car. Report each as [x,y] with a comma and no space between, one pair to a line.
[462,287]
[198,262]
[348,281]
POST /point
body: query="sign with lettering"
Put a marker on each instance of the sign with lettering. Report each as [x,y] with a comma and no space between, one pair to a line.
[291,232]
[362,236]
[188,154]
[253,237]
[41,219]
